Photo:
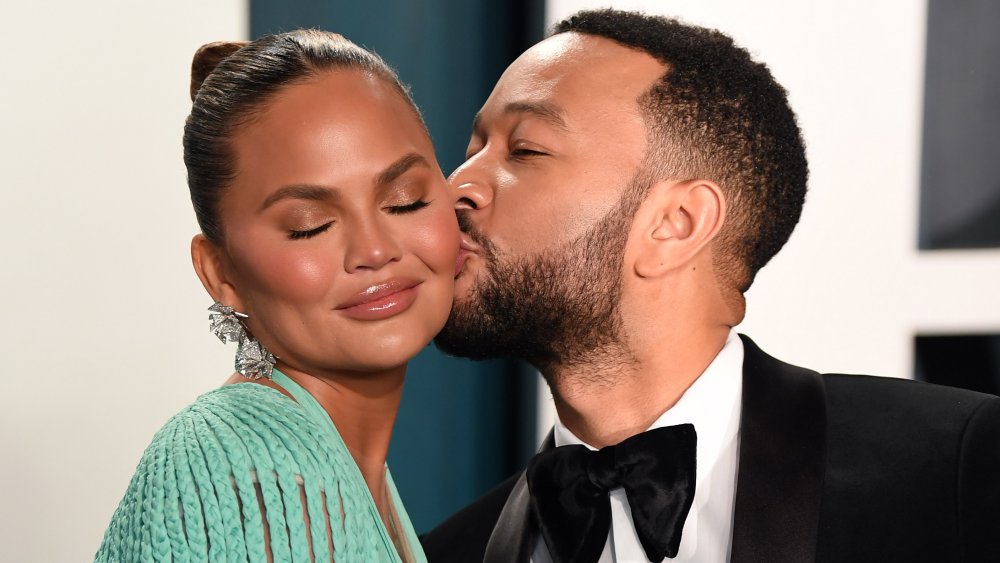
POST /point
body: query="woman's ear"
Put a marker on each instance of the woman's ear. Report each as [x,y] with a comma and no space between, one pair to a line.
[675,222]
[208,263]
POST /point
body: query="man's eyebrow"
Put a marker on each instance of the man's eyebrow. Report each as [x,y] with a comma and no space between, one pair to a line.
[545,111]
[400,167]
[310,192]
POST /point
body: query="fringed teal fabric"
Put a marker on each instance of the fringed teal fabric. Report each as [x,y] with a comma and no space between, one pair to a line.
[244,473]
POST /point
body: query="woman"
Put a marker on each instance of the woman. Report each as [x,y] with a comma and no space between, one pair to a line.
[329,245]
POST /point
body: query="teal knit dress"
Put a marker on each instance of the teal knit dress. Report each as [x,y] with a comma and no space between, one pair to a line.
[244,473]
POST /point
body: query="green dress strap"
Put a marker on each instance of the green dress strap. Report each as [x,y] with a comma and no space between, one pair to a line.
[412,541]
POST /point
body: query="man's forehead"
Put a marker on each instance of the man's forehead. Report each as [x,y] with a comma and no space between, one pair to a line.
[571,65]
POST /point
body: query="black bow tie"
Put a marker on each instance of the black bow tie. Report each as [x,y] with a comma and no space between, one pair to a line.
[569,488]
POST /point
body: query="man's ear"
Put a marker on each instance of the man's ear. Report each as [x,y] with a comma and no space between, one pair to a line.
[674,223]
[208,263]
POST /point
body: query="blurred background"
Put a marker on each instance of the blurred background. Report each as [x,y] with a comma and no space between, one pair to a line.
[894,269]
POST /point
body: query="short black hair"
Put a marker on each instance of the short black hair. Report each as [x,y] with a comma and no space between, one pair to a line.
[717,114]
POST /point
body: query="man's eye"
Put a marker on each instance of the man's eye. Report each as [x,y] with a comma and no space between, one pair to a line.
[525,153]
[298,235]
[408,208]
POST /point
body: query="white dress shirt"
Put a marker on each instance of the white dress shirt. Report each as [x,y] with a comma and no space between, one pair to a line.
[713,404]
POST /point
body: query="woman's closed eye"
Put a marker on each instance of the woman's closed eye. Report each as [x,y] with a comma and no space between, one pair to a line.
[407,208]
[298,235]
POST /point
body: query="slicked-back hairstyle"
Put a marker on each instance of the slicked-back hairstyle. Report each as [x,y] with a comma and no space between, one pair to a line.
[716,114]
[232,82]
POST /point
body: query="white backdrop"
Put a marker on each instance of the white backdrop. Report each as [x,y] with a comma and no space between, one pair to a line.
[850,290]
[103,328]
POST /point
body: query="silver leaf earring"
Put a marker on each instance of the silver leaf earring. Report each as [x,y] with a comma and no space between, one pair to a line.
[253,361]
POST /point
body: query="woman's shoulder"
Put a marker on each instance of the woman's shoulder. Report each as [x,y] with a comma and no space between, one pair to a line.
[244,426]
[217,467]
[238,403]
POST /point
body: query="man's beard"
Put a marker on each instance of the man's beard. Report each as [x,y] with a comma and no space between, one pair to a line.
[559,307]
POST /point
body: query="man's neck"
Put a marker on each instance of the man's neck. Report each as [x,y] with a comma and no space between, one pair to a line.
[605,404]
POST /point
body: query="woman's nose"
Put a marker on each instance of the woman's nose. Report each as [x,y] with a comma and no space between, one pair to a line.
[371,247]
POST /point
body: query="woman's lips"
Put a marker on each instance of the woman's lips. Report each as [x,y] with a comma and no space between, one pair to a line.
[465,249]
[382,300]
[463,255]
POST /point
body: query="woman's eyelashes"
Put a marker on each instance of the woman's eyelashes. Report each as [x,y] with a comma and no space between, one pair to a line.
[407,208]
[391,209]
[298,235]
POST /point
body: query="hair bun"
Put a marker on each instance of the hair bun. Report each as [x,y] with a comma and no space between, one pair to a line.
[207,57]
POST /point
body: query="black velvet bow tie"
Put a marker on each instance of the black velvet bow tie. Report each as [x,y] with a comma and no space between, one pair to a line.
[569,488]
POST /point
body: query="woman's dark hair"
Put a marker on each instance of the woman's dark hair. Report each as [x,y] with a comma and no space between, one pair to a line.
[232,82]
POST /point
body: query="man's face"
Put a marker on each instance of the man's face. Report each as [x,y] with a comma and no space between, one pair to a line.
[556,145]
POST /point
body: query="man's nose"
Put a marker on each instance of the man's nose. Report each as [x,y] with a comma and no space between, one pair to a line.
[472,190]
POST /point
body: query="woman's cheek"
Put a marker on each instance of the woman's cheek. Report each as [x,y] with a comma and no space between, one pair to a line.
[296,270]
[305,273]
[437,241]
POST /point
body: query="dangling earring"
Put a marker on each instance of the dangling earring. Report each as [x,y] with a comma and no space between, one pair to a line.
[253,361]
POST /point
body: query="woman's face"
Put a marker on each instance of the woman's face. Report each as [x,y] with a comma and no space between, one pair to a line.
[340,231]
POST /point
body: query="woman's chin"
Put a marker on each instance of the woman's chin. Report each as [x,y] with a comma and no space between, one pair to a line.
[387,354]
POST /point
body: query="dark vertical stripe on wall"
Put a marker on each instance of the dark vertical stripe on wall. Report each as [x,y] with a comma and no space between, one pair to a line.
[960,171]
[463,426]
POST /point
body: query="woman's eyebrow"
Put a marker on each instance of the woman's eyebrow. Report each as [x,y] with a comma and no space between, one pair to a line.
[315,192]
[400,167]
[299,191]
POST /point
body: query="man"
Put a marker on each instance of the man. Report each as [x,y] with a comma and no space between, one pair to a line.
[625,181]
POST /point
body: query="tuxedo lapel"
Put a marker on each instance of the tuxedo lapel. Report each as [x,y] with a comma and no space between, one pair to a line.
[513,537]
[781,461]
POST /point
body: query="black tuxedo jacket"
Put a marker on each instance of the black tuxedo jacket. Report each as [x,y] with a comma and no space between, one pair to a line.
[838,468]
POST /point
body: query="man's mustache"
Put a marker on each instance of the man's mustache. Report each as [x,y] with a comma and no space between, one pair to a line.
[466,226]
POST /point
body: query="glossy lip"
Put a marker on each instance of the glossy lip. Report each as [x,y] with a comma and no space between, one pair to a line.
[382,300]
[465,249]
